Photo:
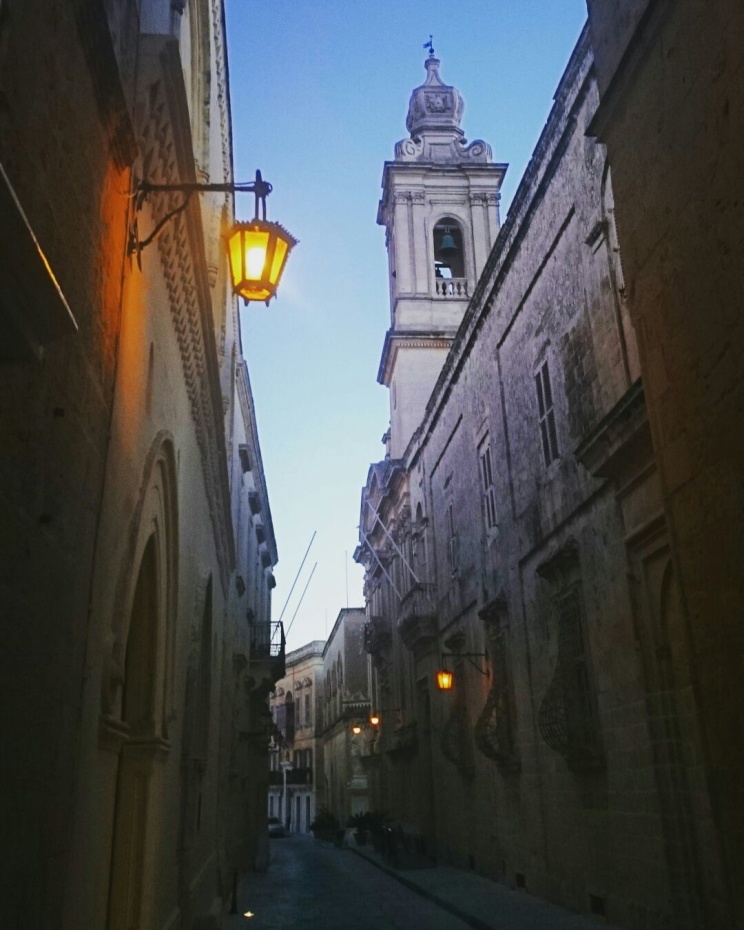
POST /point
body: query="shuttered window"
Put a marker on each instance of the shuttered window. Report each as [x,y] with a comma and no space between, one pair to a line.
[546,414]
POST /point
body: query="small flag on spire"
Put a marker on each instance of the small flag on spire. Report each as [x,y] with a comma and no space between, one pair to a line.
[430,46]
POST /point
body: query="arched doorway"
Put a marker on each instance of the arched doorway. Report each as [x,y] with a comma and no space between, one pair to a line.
[138,752]
[137,697]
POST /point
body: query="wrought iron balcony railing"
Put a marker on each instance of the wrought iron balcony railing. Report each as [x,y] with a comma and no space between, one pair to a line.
[267,640]
[268,648]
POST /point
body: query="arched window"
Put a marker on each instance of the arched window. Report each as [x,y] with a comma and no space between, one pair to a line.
[449,256]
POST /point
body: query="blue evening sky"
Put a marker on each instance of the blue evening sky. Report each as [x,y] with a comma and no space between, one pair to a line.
[319,95]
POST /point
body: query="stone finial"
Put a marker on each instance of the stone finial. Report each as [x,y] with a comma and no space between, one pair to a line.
[433,121]
[434,105]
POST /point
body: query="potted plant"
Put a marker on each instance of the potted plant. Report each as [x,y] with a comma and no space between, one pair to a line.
[325,826]
[360,822]
[375,824]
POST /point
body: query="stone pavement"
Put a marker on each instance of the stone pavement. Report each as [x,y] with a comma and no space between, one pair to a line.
[313,885]
[318,886]
[480,902]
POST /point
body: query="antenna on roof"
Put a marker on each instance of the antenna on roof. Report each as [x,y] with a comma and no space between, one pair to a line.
[315,533]
[301,599]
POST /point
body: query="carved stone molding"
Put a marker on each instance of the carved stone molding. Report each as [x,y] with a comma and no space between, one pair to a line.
[562,568]
[166,156]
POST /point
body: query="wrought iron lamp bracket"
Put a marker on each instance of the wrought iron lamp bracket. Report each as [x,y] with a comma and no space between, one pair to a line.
[469,656]
[259,188]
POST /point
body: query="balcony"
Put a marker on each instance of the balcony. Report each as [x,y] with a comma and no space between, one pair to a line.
[294,777]
[456,288]
[417,620]
[378,635]
[268,649]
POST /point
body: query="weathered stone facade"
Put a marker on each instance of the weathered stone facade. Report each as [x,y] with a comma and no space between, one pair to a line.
[521,532]
[294,705]
[136,537]
[672,74]
[344,701]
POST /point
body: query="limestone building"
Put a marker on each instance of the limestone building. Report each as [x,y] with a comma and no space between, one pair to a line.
[293,752]
[672,75]
[135,533]
[515,533]
[440,210]
[344,702]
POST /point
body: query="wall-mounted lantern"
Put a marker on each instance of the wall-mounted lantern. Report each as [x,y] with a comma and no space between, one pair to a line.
[445,677]
[257,250]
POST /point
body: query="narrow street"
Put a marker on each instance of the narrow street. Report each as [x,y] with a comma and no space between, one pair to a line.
[312,885]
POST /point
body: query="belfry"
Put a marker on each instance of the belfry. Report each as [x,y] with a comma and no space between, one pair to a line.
[439,207]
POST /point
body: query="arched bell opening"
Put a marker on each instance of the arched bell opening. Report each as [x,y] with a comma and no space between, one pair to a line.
[449,255]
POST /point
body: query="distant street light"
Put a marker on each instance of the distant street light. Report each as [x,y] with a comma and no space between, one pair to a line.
[286,767]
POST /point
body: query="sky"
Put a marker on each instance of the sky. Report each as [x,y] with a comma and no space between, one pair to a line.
[319,94]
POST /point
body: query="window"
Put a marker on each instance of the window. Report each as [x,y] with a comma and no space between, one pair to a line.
[308,714]
[271,805]
[546,413]
[448,250]
[453,546]
[568,719]
[487,488]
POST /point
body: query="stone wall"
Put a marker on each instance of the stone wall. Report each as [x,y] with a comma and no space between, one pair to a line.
[129,671]
[524,537]
[679,87]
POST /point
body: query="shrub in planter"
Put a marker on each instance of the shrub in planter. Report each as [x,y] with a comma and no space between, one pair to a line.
[325,826]
[375,822]
[360,823]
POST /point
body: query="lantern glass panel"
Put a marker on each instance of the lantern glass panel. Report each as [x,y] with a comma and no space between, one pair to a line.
[236,257]
[280,254]
[255,244]
[445,680]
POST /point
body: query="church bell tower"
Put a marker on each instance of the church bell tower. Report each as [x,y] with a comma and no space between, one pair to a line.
[439,207]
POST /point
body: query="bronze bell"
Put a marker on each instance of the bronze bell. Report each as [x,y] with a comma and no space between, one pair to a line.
[447,247]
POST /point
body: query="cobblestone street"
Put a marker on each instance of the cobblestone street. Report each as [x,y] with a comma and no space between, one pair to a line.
[313,885]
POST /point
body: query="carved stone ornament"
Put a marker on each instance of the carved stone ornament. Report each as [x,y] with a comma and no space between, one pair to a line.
[166,154]
[434,105]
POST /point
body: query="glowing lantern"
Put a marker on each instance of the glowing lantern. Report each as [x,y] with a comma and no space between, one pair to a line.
[445,680]
[258,252]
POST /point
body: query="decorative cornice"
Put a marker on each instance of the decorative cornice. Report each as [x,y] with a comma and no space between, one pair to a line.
[109,83]
[396,340]
[223,89]
[605,451]
[166,151]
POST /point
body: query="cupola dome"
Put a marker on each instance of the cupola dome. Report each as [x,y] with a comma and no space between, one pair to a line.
[434,106]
